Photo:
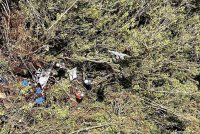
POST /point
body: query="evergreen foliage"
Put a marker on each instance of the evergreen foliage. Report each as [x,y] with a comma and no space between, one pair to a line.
[156,90]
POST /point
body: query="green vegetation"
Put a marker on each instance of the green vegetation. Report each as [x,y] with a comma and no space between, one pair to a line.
[155,90]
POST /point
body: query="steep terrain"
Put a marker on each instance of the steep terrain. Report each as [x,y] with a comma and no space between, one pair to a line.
[154,88]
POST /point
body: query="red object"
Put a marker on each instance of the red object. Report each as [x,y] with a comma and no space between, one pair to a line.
[79,95]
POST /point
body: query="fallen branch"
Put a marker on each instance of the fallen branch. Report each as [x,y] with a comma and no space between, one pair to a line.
[113,66]
[89,128]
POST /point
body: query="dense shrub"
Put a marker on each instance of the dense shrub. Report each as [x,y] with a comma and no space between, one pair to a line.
[154,91]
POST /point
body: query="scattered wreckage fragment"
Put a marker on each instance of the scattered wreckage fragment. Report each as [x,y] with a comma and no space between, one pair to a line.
[117,56]
[79,95]
[88,84]
[72,74]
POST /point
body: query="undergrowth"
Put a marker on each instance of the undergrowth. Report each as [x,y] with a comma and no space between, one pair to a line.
[156,90]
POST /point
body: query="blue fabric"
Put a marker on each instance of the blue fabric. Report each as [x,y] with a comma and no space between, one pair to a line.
[38,90]
[25,83]
[39,100]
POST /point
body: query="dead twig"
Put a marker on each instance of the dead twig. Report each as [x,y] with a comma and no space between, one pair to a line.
[89,128]
[34,10]
[62,15]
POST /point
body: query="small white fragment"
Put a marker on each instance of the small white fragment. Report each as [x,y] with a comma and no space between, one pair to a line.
[88,82]
[57,64]
[54,72]
[38,73]
[43,78]
[72,73]
[46,47]
[82,95]
[62,65]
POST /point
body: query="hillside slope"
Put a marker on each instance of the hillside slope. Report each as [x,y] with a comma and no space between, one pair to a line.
[154,88]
